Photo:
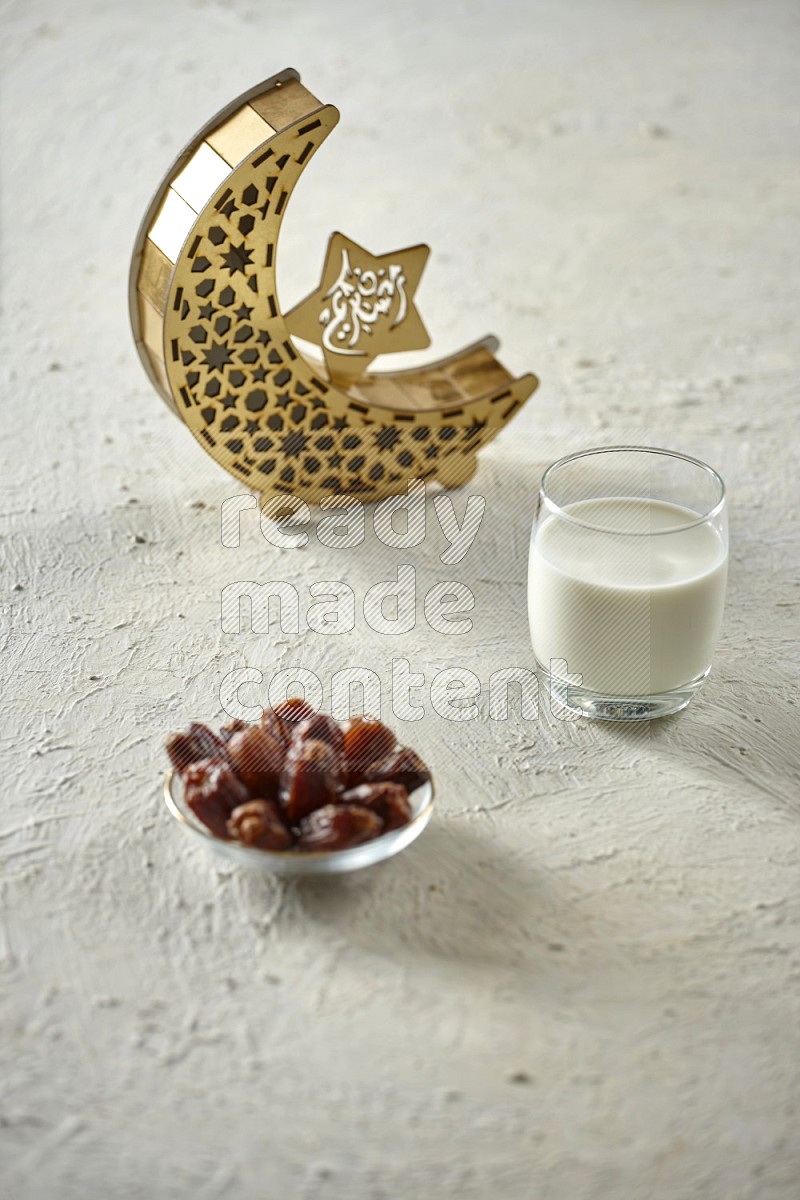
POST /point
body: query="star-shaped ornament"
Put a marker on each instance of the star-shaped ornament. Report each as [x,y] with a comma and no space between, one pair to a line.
[363,307]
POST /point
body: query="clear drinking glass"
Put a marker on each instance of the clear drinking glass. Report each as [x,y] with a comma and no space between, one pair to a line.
[626,580]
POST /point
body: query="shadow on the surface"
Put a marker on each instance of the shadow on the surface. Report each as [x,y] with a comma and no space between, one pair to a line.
[450,896]
[731,731]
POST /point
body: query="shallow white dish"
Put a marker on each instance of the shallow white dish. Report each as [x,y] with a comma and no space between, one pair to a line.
[294,862]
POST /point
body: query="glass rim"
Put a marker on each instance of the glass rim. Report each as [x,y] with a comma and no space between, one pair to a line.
[701,519]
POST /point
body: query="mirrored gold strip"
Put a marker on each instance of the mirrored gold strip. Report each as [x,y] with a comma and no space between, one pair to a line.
[240,134]
[160,372]
[284,103]
[172,225]
[201,177]
[154,275]
[151,326]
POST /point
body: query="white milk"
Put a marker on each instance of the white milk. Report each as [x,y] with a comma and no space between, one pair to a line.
[633,615]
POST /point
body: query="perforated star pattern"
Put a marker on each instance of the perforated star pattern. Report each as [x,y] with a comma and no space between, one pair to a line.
[210,330]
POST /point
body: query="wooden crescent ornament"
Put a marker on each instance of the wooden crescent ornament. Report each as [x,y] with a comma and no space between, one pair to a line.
[215,343]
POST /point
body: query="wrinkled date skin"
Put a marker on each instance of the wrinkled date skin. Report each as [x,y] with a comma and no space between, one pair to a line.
[298,779]
[321,728]
[404,766]
[284,718]
[337,827]
[272,723]
[257,758]
[365,742]
[311,778]
[212,792]
[199,742]
[259,823]
[388,800]
[182,750]
[232,727]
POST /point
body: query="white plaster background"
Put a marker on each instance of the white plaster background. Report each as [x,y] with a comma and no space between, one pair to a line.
[584,980]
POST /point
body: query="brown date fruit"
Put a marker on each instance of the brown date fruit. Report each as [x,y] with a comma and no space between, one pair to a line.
[321,728]
[259,823]
[297,773]
[310,779]
[196,743]
[404,766]
[337,827]
[232,727]
[258,760]
[182,750]
[365,742]
[212,792]
[388,800]
[208,743]
[272,723]
[287,715]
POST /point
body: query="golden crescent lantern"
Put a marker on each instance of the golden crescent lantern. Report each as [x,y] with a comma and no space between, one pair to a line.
[218,348]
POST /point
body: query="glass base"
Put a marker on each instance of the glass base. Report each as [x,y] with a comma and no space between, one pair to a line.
[586,703]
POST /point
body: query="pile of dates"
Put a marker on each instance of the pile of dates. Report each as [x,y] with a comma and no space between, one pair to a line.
[299,780]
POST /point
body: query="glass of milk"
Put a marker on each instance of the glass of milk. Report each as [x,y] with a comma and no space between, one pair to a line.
[626,580]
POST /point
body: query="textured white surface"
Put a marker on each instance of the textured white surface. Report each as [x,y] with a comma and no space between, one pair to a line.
[584,980]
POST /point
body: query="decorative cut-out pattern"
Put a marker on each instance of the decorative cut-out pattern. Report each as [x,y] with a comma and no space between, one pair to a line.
[263,410]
